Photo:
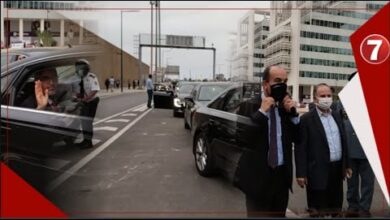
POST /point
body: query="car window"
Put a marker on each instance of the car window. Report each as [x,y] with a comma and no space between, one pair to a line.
[193,92]
[62,94]
[185,89]
[208,92]
[218,103]
[7,58]
[233,101]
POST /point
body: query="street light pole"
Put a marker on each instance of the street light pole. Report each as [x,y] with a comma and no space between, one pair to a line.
[121,52]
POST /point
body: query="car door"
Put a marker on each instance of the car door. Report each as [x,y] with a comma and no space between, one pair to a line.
[233,133]
[32,135]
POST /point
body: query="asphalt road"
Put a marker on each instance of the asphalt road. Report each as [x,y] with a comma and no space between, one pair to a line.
[142,166]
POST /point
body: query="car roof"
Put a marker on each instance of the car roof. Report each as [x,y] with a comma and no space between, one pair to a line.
[188,83]
[49,54]
[213,84]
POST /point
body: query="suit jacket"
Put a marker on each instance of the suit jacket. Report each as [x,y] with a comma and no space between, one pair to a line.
[253,173]
[312,156]
[355,149]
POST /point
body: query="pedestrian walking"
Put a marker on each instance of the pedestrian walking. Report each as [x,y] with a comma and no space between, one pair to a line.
[107,83]
[112,83]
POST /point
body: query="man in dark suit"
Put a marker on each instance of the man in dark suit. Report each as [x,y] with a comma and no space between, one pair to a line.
[265,175]
[321,155]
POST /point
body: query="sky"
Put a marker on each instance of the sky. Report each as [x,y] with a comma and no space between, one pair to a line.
[214,20]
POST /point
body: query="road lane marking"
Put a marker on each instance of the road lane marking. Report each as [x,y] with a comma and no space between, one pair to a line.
[95,141]
[105,128]
[129,114]
[67,174]
[117,120]
[112,116]
[140,109]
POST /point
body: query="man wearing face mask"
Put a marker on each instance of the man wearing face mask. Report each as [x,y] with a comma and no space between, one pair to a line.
[265,174]
[321,156]
[89,86]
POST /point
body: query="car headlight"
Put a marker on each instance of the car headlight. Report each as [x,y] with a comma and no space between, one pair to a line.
[177,102]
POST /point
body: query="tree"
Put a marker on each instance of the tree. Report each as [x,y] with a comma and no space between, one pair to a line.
[45,38]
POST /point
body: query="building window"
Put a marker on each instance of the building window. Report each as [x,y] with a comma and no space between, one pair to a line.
[322,36]
[321,62]
[322,75]
[337,25]
[321,49]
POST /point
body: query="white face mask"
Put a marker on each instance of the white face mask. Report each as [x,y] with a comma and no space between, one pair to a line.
[325,103]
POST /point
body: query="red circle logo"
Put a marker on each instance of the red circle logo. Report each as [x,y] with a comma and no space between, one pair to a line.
[375,49]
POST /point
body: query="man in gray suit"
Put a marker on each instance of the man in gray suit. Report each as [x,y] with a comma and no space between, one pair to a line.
[358,203]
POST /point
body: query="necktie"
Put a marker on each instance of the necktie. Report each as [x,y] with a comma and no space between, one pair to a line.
[82,91]
[273,148]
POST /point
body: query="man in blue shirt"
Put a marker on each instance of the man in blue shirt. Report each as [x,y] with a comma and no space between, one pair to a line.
[149,89]
[321,155]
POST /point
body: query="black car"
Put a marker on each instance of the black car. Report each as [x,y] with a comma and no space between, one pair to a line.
[30,137]
[220,134]
[13,55]
[183,89]
[162,96]
[202,94]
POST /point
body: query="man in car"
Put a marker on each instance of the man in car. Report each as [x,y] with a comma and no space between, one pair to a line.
[46,95]
[265,175]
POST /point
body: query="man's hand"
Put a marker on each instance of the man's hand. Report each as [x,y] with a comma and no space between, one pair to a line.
[349,173]
[267,103]
[288,103]
[41,96]
[302,181]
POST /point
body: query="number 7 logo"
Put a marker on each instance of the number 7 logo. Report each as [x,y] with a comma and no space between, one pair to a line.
[377,54]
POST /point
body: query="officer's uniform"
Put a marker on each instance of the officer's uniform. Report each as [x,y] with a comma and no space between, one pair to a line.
[89,84]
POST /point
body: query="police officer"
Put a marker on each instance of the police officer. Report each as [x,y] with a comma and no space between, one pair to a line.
[89,86]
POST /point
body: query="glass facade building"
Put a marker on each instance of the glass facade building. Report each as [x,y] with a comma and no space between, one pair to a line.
[311,39]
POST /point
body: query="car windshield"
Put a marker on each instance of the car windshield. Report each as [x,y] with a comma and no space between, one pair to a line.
[186,89]
[208,92]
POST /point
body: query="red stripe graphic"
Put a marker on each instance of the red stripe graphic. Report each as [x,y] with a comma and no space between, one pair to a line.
[375,79]
[20,200]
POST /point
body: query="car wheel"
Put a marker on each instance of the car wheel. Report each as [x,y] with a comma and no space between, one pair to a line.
[203,157]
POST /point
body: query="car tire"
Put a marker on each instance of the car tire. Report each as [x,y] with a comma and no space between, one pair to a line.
[203,157]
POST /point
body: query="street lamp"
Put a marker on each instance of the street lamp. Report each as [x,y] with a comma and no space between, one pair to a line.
[122,46]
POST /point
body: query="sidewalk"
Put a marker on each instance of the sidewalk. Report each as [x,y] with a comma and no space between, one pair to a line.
[103,92]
